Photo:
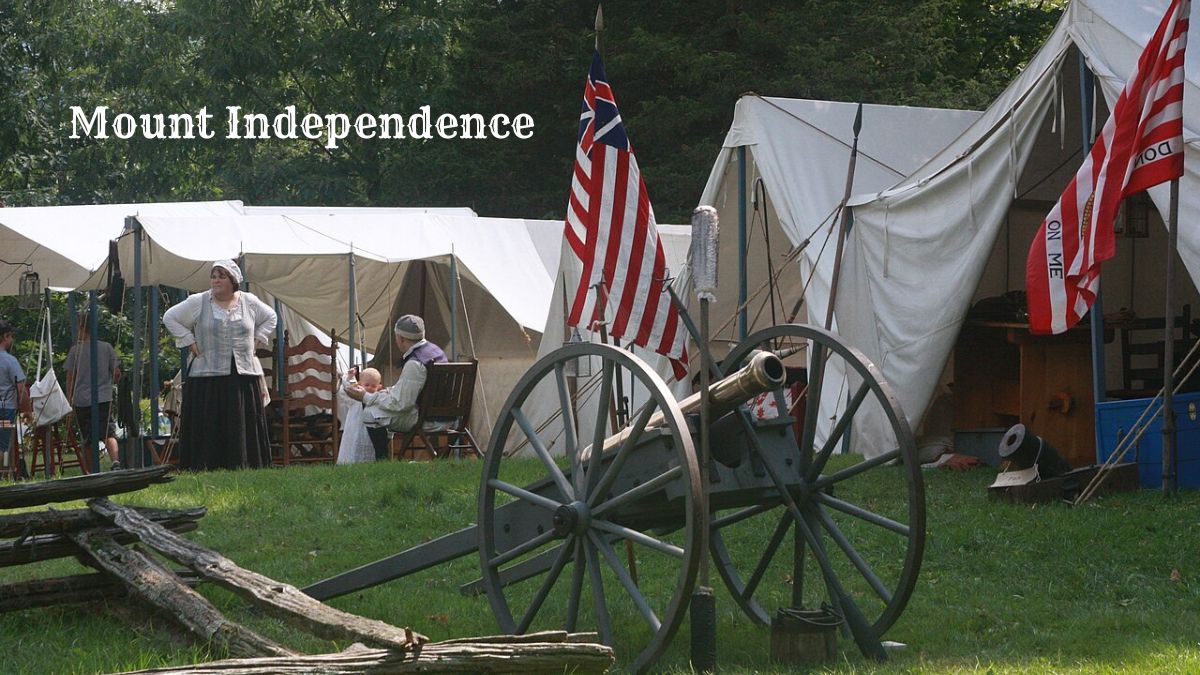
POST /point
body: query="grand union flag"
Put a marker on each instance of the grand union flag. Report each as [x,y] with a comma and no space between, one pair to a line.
[610,227]
[1141,146]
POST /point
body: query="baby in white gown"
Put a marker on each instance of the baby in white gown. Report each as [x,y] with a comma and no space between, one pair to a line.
[356,444]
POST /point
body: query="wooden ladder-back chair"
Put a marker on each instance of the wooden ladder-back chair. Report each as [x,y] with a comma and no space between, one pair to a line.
[1143,353]
[64,438]
[300,435]
[444,409]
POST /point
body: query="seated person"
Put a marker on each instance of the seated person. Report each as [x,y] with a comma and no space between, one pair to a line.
[14,395]
[395,408]
[356,444]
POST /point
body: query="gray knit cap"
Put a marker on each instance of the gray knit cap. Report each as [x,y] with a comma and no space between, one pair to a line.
[410,327]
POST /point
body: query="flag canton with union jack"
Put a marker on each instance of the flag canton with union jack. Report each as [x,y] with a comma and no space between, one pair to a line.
[610,226]
[599,112]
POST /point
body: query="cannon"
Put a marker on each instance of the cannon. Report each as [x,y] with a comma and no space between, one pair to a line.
[573,546]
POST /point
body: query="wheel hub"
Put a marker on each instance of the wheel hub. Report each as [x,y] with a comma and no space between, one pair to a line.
[573,518]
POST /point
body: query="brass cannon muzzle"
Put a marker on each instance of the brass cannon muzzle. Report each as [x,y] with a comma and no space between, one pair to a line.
[763,373]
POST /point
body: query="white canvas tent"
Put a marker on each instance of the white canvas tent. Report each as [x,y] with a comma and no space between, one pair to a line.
[305,262]
[998,158]
[926,244]
[65,244]
[792,157]
[304,253]
[311,211]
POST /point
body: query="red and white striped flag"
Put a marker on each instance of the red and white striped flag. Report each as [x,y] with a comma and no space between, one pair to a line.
[610,227]
[1141,145]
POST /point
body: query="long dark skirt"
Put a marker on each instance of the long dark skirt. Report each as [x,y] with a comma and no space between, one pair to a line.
[223,424]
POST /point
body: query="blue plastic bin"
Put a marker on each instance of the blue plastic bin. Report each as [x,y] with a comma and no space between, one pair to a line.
[1115,420]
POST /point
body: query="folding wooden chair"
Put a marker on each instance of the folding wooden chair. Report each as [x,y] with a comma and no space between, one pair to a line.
[444,410]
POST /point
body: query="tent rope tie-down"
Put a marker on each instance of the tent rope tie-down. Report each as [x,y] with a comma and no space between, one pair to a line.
[584,391]
[1138,429]
[480,385]
[835,139]
[765,216]
[791,256]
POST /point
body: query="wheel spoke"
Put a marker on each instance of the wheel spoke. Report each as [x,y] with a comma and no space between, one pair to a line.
[567,406]
[835,435]
[576,585]
[797,568]
[535,604]
[824,482]
[813,406]
[599,604]
[647,488]
[606,385]
[522,493]
[740,515]
[793,510]
[781,530]
[638,538]
[863,514]
[860,564]
[864,635]
[535,442]
[618,461]
[522,549]
[623,575]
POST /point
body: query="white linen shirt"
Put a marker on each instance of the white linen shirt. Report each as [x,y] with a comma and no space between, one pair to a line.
[222,335]
[396,406]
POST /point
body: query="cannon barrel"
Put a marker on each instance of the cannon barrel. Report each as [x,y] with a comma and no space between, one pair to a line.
[763,373]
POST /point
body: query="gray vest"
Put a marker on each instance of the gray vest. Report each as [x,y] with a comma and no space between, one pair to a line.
[222,341]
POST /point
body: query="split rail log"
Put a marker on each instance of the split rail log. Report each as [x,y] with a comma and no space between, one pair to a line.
[51,546]
[68,590]
[82,487]
[538,654]
[282,600]
[157,585]
[57,522]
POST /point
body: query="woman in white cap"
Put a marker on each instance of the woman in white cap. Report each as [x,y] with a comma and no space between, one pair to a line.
[223,424]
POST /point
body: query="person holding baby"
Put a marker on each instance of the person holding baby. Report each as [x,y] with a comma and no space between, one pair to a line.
[395,408]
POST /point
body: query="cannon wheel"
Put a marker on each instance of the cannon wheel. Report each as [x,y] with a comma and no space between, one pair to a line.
[602,592]
[862,524]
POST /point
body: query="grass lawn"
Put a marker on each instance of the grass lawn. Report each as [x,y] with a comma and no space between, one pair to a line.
[1110,587]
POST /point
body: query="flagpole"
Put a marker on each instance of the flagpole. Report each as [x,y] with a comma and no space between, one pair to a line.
[599,29]
[1087,94]
[1168,425]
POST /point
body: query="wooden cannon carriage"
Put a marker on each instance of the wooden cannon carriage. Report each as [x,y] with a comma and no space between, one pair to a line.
[569,547]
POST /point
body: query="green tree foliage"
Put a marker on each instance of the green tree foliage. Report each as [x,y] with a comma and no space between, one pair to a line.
[116,329]
[677,66]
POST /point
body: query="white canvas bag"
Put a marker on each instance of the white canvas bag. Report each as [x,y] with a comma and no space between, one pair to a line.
[50,404]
